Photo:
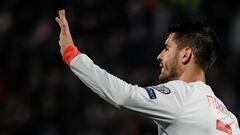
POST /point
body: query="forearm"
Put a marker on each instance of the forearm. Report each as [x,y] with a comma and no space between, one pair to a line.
[109,87]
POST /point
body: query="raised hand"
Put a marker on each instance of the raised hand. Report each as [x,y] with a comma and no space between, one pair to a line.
[65,34]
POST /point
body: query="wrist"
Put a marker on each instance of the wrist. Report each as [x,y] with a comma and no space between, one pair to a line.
[69,52]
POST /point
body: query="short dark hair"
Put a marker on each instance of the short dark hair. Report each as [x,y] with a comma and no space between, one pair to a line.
[201,38]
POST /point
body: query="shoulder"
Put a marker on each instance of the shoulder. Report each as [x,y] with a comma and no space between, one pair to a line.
[177,86]
[171,86]
[181,89]
[177,89]
[181,86]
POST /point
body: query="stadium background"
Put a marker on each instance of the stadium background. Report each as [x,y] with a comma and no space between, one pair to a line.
[40,96]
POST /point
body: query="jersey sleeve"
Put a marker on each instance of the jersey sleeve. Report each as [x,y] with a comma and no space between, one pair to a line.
[158,103]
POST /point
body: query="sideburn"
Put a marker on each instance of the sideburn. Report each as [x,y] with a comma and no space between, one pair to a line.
[173,69]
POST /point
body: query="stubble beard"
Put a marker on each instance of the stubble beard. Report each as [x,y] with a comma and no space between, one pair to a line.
[170,71]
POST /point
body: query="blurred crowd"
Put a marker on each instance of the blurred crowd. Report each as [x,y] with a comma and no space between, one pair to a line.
[40,96]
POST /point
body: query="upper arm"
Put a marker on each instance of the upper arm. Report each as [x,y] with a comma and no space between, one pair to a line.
[162,102]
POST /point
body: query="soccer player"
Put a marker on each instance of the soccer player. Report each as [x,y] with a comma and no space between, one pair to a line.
[183,104]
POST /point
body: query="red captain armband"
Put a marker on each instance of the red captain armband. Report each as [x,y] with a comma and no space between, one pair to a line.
[69,53]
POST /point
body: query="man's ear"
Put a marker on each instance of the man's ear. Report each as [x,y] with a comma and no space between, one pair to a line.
[186,55]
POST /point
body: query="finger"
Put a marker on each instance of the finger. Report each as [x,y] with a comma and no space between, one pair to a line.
[57,20]
[61,14]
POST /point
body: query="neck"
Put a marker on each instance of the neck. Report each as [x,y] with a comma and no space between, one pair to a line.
[192,75]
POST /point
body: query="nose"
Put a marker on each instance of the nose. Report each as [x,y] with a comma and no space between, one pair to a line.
[160,56]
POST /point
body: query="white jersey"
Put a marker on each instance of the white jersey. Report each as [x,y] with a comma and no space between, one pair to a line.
[178,108]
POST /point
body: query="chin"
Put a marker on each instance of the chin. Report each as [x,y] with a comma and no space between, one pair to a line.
[163,79]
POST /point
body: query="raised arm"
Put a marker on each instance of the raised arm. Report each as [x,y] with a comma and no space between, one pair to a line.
[111,88]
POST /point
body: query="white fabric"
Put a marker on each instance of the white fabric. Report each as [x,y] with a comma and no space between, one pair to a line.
[178,108]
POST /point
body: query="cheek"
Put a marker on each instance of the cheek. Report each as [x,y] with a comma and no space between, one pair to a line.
[171,62]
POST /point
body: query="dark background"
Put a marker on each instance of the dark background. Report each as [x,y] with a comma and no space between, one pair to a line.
[39,95]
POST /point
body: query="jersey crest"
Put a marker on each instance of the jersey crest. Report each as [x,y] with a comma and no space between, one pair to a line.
[151,91]
[162,89]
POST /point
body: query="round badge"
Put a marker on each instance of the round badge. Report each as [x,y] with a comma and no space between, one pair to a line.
[164,90]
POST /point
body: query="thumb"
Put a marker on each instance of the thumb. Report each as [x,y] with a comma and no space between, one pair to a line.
[57,20]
